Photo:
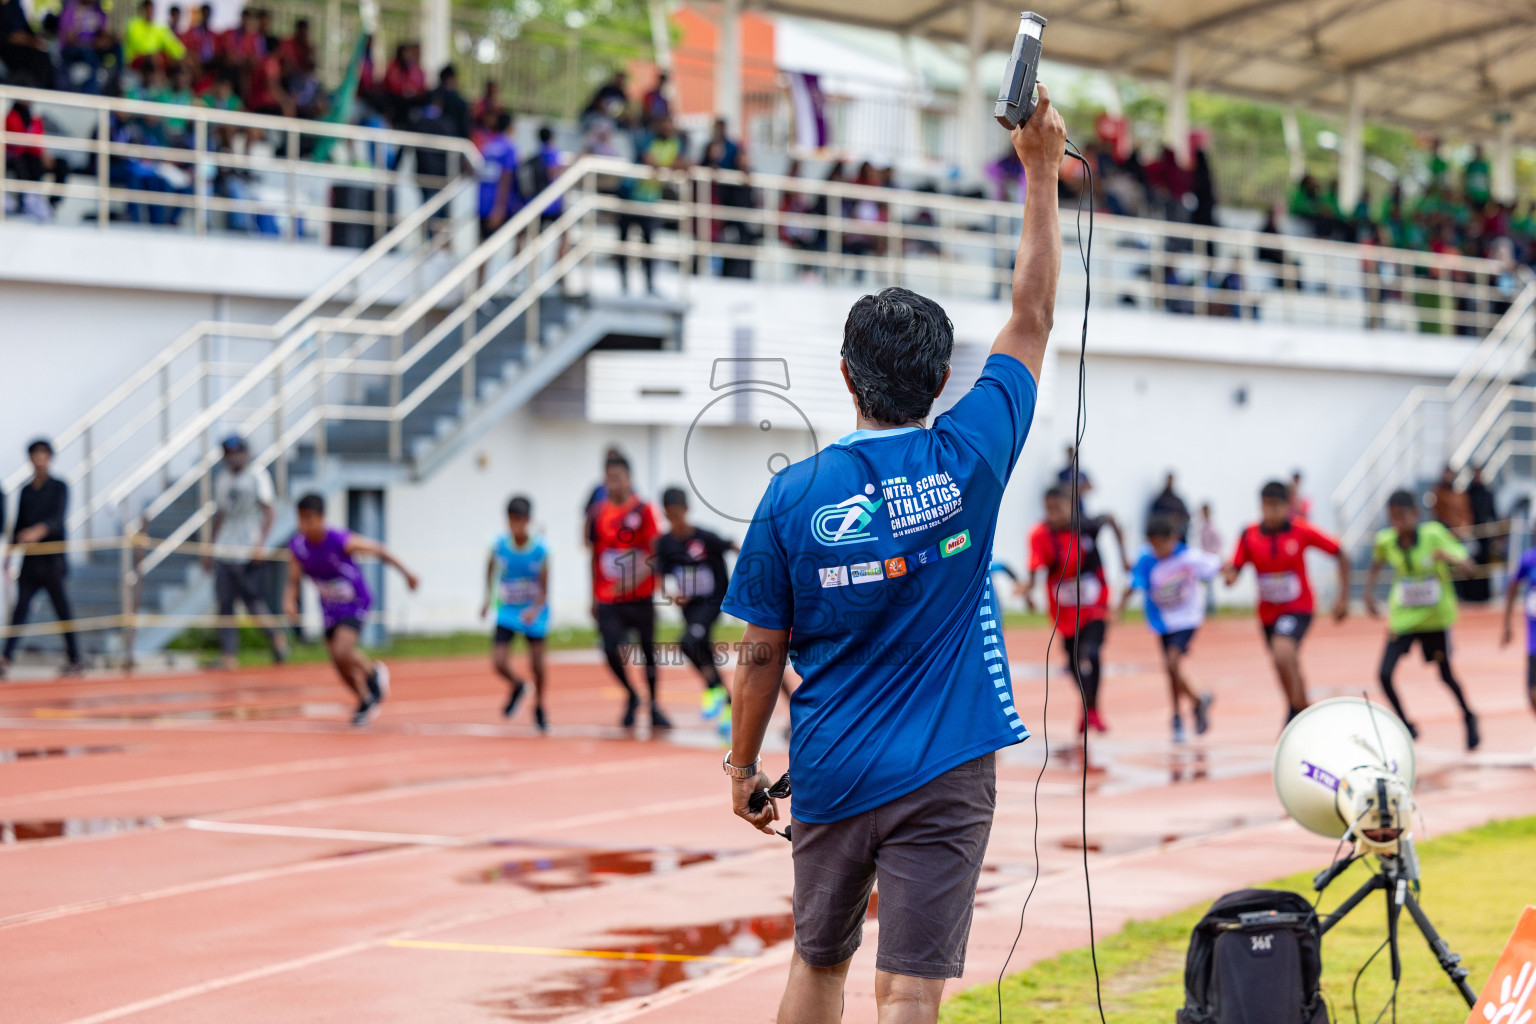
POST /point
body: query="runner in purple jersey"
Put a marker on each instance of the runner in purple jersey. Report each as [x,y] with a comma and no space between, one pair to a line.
[326,556]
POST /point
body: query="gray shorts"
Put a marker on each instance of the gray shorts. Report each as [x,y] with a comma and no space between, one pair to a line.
[925,849]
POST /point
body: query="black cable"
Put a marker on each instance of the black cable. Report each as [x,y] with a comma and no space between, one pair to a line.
[1080,426]
[1354,989]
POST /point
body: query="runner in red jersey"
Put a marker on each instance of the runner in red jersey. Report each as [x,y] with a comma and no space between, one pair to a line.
[1276,548]
[1080,609]
[623,532]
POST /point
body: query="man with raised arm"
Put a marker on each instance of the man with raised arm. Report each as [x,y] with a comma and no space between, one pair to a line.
[867,565]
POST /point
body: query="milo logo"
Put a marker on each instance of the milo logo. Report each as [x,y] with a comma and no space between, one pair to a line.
[956,544]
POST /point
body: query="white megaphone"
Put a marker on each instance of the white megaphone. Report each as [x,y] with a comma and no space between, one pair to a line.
[1344,768]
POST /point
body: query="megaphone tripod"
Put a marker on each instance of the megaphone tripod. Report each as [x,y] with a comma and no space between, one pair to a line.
[1397,872]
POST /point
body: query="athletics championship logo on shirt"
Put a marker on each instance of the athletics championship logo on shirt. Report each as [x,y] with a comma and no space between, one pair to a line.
[848,521]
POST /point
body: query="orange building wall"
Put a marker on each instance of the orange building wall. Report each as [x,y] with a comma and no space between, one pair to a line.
[693,58]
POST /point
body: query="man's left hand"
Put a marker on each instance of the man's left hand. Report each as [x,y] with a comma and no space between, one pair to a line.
[741,795]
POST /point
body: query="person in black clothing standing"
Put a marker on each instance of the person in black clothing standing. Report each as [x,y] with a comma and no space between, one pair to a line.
[1485,548]
[1168,505]
[40,512]
[691,564]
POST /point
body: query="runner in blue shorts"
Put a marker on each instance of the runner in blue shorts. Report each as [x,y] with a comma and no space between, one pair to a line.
[1170,573]
[1525,574]
[517,581]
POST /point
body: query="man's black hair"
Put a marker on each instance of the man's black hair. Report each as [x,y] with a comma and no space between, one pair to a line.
[1160,526]
[1056,491]
[503,121]
[449,71]
[897,346]
[615,459]
[674,496]
[42,443]
[312,502]
[546,133]
[1403,499]
[1275,491]
[520,506]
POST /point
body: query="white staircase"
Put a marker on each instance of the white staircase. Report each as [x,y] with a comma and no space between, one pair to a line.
[1482,417]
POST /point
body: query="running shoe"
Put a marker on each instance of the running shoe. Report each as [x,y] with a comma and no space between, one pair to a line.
[659,720]
[73,670]
[1178,729]
[378,682]
[514,700]
[631,708]
[539,720]
[366,712]
[1096,721]
[1203,712]
[715,699]
[1474,738]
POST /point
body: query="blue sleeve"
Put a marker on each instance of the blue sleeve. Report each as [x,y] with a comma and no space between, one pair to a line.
[761,591]
[1528,567]
[994,416]
[1141,575]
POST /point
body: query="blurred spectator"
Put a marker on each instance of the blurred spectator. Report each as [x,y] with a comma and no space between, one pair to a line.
[1477,178]
[663,151]
[41,510]
[300,71]
[489,104]
[146,41]
[264,89]
[1452,507]
[541,169]
[22,51]
[86,43]
[32,163]
[1486,546]
[723,153]
[498,177]
[173,19]
[1300,504]
[200,40]
[1170,506]
[654,105]
[243,45]
[865,210]
[445,112]
[244,509]
[611,100]
[797,229]
[264,26]
[405,84]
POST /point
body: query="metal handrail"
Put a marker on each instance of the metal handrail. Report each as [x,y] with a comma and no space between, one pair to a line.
[159,364]
[298,386]
[1470,411]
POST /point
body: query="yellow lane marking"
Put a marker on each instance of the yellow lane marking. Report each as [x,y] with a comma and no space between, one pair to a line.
[593,954]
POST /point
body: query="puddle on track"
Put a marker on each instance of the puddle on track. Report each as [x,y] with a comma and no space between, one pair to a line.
[23,831]
[45,753]
[612,981]
[1131,843]
[582,869]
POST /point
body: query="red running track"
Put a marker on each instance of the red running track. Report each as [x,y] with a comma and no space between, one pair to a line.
[198,848]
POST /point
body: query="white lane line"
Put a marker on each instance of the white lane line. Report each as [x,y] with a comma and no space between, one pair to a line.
[343,834]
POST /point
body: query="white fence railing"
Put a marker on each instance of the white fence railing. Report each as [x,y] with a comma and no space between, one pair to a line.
[380,360]
[158,161]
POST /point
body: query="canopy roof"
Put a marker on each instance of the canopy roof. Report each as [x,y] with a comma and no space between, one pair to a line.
[1447,65]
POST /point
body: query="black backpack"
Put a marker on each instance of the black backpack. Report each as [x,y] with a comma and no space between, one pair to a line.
[1255,958]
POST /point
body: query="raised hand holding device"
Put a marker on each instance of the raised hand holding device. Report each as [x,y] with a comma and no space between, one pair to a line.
[1016,99]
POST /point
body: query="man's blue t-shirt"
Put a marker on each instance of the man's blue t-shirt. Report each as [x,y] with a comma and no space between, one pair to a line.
[874,553]
[520,585]
[500,155]
[1527,573]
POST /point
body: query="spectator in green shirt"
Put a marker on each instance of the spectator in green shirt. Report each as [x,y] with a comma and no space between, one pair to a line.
[1422,605]
[143,39]
[1477,179]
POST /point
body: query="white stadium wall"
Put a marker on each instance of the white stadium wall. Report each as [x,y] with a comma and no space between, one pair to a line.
[1225,405]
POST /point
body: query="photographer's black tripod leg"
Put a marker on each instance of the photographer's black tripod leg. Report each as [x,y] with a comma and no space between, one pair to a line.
[1371,885]
[1450,962]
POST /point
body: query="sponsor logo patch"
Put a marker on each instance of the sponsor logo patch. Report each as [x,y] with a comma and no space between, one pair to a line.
[866,572]
[834,576]
[895,567]
[956,544]
[927,556]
